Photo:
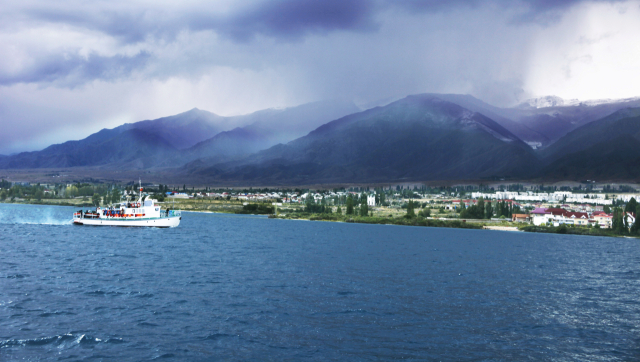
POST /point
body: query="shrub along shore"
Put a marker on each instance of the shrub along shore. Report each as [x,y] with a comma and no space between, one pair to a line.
[572,230]
[407,221]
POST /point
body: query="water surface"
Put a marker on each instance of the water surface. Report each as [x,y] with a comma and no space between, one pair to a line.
[227,287]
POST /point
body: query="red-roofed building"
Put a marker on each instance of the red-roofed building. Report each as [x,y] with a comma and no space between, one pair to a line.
[579,218]
[604,220]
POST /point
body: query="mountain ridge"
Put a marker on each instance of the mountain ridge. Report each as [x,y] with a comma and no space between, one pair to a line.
[380,143]
[425,136]
[181,132]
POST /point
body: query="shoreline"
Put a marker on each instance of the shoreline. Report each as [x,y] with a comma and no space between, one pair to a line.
[459,224]
[400,221]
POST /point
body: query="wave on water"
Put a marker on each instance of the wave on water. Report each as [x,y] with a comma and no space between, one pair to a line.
[63,340]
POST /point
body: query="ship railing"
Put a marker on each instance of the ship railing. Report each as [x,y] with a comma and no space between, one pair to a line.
[170,213]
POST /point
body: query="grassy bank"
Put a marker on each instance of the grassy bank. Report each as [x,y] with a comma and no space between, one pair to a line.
[416,221]
[54,202]
[221,206]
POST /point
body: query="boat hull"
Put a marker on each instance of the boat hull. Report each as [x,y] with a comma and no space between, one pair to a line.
[165,222]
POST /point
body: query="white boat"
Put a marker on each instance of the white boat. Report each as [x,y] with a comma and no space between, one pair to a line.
[142,211]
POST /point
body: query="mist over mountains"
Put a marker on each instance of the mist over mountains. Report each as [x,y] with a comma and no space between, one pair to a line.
[418,138]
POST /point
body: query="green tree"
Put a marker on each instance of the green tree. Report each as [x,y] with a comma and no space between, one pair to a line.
[410,210]
[339,211]
[635,227]
[115,195]
[488,211]
[618,223]
[480,211]
[631,206]
[309,202]
[426,212]
[71,191]
[364,209]
[349,205]
[95,199]
[607,209]
[39,195]
[562,229]
[85,190]
[3,195]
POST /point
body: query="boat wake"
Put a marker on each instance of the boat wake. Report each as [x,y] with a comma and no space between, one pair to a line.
[30,222]
[44,216]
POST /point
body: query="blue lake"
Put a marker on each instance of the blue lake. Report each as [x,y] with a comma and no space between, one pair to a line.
[227,287]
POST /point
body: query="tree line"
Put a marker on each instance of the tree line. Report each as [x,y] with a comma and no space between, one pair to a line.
[487,210]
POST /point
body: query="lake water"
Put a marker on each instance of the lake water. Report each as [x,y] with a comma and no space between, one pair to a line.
[227,287]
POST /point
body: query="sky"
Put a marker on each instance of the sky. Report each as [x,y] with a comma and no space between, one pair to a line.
[71,68]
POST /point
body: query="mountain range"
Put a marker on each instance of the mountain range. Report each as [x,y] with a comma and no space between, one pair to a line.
[183,137]
[418,138]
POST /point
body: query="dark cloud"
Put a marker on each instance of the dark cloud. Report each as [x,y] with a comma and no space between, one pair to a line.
[294,18]
[282,19]
[533,6]
[74,69]
[542,12]
[129,27]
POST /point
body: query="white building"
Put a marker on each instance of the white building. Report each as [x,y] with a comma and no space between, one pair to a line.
[371,200]
[542,219]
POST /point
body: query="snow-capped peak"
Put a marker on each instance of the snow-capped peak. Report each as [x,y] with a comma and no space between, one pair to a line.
[548,101]
[555,101]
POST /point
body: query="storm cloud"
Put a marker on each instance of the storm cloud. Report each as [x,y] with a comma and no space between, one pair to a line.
[70,69]
[74,69]
[286,20]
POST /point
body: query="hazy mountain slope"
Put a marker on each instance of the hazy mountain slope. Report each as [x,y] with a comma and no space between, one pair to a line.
[125,143]
[281,126]
[226,145]
[269,127]
[556,121]
[614,159]
[620,123]
[127,146]
[418,138]
[497,114]
[185,129]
